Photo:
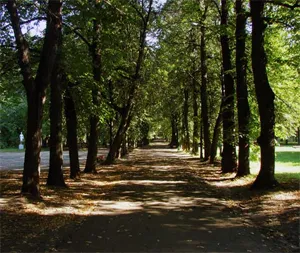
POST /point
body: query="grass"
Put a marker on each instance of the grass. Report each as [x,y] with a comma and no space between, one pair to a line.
[7,150]
[16,150]
[287,164]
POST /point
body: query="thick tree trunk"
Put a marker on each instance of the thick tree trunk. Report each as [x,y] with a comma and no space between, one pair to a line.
[36,88]
[174,138]
[55,175]
[185,122]
[241,91]
[91,161]
[71,122]
[95,51]
[265,99]
[31,172]
[124,124]
[229,151]
[204,109]
[124,148]
[201,141]
[111,133]
[196,130]
[215,140]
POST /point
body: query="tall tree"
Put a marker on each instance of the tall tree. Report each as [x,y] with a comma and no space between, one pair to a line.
[195,94]
[265,98]
[144,11]
[35,87]
[204,107]
[185,120]
[229,152]
[241,90]
[95,51]
[55,175]
[71,123]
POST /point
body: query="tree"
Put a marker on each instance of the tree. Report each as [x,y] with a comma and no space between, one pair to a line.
[265,99]
[229,152]
[241,90]
[55,175]
[144,11]
[71,123]
[204,109]
[35,87]
[95,51]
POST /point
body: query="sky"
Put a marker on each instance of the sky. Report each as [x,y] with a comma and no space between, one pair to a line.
[42,24]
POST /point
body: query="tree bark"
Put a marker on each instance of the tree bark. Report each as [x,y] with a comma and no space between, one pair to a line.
[35,87]
[95,51]
[124,124]
[215,140]
[124,148]
[71,122]
[201,141]
[229,152]
[204,109]
[55,175]
[265,99]
[174,138]
[196,130]
[185,122]
[241,91]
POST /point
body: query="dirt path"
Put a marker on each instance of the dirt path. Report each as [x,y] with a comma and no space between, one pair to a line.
[157,203]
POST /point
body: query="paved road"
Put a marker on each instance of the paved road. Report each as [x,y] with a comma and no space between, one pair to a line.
[15,160]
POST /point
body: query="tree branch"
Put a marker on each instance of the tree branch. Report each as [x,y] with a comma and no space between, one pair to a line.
[22,45]
[280,3]
[75,30]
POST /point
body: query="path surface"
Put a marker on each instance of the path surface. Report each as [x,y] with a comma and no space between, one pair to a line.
[158,204]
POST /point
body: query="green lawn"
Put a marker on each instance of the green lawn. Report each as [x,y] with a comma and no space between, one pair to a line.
[6,150]
[287,163]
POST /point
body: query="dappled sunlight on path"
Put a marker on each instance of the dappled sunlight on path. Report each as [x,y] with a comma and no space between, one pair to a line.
[155,200]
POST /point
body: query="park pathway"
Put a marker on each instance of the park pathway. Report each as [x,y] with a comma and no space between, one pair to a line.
[160,205]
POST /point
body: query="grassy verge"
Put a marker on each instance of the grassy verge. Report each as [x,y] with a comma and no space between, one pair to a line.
[287,164]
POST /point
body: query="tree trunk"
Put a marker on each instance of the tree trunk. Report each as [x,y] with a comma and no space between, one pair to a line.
[265,99]
[124,149]
[55,175]
[242,92]
[91,161]
[71,122]
[35,88]
[95,51]
[124,124]
[229,151]
[201,141]
[196,120]
[185,122]
[31,172]
[174,139]
[215,140]
[204,109]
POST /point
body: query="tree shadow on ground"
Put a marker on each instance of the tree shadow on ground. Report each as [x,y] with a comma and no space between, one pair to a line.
[158,190]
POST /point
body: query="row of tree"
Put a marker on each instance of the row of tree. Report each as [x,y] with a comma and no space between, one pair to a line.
[198,41]
[119,69]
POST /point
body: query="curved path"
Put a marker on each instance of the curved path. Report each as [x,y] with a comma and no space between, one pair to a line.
[157,203]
